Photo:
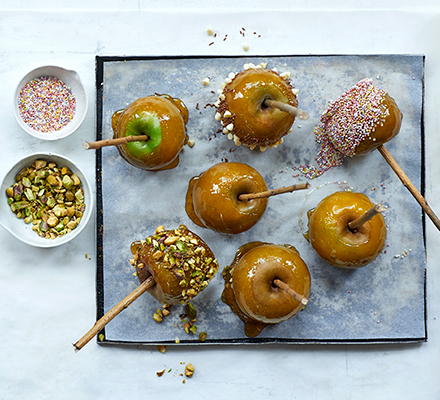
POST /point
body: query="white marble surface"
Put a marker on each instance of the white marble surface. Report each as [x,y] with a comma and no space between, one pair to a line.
[47,297]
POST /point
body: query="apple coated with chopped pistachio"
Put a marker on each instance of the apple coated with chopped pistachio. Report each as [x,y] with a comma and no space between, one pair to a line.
[181,263]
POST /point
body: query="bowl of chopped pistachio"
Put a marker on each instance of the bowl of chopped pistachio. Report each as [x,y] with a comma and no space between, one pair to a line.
[47,200]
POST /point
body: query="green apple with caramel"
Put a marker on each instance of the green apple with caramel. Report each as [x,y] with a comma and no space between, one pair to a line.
[162,119]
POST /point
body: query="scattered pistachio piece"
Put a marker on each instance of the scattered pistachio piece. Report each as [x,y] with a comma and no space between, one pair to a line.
[189,370]
[157,318]
[191,311]
[160,373]
[162,348]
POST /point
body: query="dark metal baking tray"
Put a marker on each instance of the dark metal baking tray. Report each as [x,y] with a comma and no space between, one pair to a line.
[383,302]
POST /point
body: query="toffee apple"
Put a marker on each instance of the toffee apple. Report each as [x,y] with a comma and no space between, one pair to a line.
[212,198]
[361,120]
[333,237]
[243,107]
[179,261]
[266,284]
[173,265]
[162,119]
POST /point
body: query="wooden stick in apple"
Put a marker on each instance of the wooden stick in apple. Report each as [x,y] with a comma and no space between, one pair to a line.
[114,142]
[269,193]
[284,286]
[297,112]
[409,185]
[112,313]
[376,209]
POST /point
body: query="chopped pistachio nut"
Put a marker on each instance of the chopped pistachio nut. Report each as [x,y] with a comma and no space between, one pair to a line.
[160,373]
[48,196]
[203,336]
[189,370]
[162,348]
[157,317]
[191,311]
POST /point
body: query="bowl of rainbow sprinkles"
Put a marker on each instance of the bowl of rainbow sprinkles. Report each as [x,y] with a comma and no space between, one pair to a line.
[50,102]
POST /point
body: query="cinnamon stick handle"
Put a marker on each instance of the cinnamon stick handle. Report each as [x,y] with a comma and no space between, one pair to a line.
[409,185]
[104,320]
[114,142]
[284,286]
[269,193]
[297,112]
[376,209]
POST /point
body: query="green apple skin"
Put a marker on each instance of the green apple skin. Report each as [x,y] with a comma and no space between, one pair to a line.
[162,119]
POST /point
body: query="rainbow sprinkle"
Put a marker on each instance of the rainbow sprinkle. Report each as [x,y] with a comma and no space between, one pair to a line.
[345,124]
[46,104]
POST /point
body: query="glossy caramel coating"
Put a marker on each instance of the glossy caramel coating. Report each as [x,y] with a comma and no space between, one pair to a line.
[180,262]
[253,122]
[334,241]
[249,288]
[386,130]
[212,198]
[172,115]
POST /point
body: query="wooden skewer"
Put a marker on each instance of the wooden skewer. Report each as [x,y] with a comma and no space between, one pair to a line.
[376,209]
[114,142]
[269,193]
[409,185]
[297,112]
[289,290]
[104,320]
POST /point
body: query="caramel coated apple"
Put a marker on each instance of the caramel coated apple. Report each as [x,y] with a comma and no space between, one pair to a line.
[181,263]
[250,291]
[242,112]
[212,198]
[332,238]
[359,121]
[162,118]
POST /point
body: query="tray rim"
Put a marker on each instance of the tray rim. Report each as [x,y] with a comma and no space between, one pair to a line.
[100,311]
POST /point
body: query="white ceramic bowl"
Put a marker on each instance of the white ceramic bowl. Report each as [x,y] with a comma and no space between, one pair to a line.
[73,81]
[22,231]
